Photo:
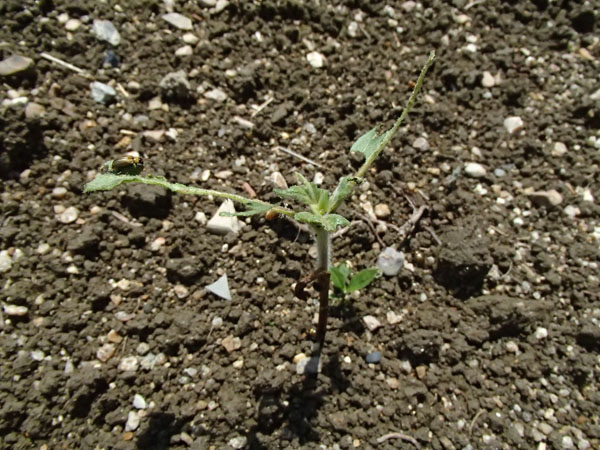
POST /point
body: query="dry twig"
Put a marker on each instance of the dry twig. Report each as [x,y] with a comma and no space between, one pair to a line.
[402,436]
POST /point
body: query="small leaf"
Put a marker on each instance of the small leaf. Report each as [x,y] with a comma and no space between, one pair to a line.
[108,181]
[253,209]
[362,279]
[339,275]
[308,217]
[332,222]
[343,190]
[297,193]
[372,141]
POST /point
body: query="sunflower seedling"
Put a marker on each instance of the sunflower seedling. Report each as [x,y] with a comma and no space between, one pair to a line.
[319,210]
[344,284]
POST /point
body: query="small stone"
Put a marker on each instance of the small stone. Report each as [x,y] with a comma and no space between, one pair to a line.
[133,421]
[546,199]
[513,124]
[72,24]
[243,122]
[421,143]
[318,178]
[114,337]
[299,357]
[37,355]
[421,372]
[216,322]
[186,438]
[201,218]
[390,261]
[512,347]
[102,93]
[216,94]
[143,348]
[238,442]
[220,5]
[5,261]
[373,358]
[181,291]
[382,211]
[541,333]
[238,364]
[105,352]
[69,215]
[15,64]
[190,38]
[220,287]
[278,179]
[175,85]
[139,402]
[186,50]
[475,170]
[315,59]
[488,80]
[392,382]
[15,310]
[106,31]
[393,318]
[34,110]
[371,322]
[309,365]
[559,149]
[129,364]
[572,211]
[153,135]
[231,343]
[178,21]
[219,224]
[353,29]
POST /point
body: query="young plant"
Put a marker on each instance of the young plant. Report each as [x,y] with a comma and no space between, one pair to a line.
[344,284]
[320,205]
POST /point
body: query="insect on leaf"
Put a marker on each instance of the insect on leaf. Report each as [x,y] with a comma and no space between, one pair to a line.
[372,141]
[362,279]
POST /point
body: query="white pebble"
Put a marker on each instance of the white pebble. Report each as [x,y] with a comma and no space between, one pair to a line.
[572,211]
[541,333]
[133,421]
[382,211]
[139,402]
[475,170]
[512,347]
[487,80]
[105,352]
[5,261]
[190,38]
[37,355]
[371,322]
[390,261]
[128,364]
[559,149]
[106,31]
[513,124]
[186,50]
[216,94]
[178,21]
[15,310]
[72,24]
[316,59]
[200,217]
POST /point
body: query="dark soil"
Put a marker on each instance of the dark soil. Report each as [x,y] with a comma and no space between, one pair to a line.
[498,342]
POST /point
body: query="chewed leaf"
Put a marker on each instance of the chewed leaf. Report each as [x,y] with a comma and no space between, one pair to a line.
[332,222]
[372,141]
[362,279]
[253,209]
[108,181]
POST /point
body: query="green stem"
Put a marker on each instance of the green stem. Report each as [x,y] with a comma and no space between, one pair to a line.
[323,239]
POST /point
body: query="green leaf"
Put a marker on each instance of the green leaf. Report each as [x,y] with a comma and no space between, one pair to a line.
[339,275]
[372,141]
[310,218]
[362,279]
[342,191]
[108,181]
[253,209]
[297,193]
[332,222]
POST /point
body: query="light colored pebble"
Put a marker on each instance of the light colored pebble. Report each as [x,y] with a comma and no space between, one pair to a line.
[190,38]
[475,170]
[34,110]
[186,50]
[72,24]
[133,421]
[512,347]
[15,64]
[393,318]
[278,179]
[353,29]
[382,211]
[513,124]
[129,364]
[216,94]
[139,402]
[390,261]
[105,352]
[15,310]
[371,322]
[69,215]
[219,224]
[316,59]
[488,80]
[238,442]
[178,21]
[421,143]
[571,211]
[114,337]
[201,218]
[106,31]
[318,178]
[143,348]
[102,93]
[238,364]
[5,261]
[153,135]
[216,322]
[181,291]
[37,355]
[559,149]
[231,343]
[546,199]
[541,333]
[157,244]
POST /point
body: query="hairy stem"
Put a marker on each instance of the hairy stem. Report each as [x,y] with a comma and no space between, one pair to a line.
[323,239]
